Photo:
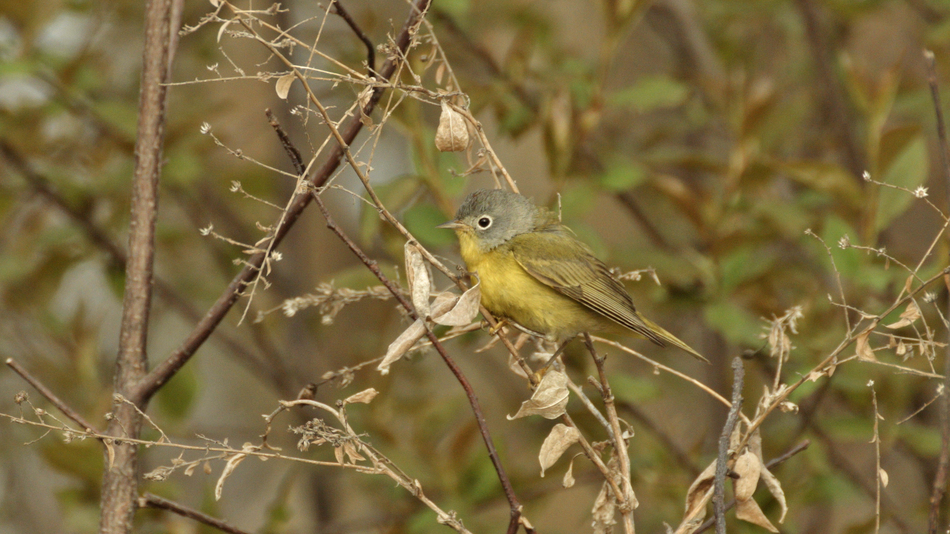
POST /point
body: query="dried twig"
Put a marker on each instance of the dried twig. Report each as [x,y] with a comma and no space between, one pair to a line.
[626,501]
[337,8]
[50,396]
[719,491]
[154,501]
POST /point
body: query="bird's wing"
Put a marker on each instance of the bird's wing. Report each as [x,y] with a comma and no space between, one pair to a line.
[558,260]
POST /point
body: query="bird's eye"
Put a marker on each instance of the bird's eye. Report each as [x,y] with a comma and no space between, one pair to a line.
[484,222]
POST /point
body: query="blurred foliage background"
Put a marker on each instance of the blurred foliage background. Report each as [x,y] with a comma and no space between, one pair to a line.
[698,138]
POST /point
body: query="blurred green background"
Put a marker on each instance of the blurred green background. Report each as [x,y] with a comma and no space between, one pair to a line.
[698,138]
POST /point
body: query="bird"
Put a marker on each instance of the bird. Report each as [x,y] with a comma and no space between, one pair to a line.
[535,272]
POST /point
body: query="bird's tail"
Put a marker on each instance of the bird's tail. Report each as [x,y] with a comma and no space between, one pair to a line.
[661,337]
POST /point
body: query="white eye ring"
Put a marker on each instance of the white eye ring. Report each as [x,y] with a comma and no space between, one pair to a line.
[484,222]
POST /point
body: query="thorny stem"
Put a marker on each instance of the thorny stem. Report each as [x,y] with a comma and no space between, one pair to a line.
[943,463]
[469,392]
[627,501]
[719,484]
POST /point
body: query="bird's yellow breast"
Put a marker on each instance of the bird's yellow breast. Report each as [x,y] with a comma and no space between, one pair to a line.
[508,291]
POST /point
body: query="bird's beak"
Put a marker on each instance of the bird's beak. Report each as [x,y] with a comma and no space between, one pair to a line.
[451,225]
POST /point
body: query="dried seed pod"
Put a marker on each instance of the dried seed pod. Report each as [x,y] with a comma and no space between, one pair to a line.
[452,134]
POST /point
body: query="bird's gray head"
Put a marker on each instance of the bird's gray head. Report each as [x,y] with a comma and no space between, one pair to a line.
[493,216]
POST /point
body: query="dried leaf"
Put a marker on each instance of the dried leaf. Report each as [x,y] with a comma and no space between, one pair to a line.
[559,440]
[775,488]
[420,285]
[283,85]
[863,348]
[398,348]
[228,469]
[884,478]
[748,468]
[568,481]
[907,317]
[364,97]
[463,311]
[110,452]
[223,27]
[605,507]
[351,453]
[439,72]
[549,400]
[190,470]
[452,133]
[513,365]
[364,397]
[749,511]
[338,453]
[698,495]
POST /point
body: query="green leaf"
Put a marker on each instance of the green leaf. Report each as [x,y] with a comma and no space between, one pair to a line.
[742,264]
[734,322]
[828,178]
[650,93]
[634,389]
[176,397]
[422,220]
[394,195]
[623,176]
[908,169]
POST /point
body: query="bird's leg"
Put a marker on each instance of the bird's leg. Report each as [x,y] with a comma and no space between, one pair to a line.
[554,356]
[498,326]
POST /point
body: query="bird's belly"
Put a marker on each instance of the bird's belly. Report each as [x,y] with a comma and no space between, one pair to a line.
[508,291]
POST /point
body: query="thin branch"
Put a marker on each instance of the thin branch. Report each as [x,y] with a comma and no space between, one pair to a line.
[166,369]
[719,485]
[337,8]
[50,396]
[626,501]
[154,501]
[943,463]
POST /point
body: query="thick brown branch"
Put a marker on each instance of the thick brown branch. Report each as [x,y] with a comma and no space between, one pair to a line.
[120,480]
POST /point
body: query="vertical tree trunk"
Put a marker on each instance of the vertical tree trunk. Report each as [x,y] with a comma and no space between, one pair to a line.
[120,480]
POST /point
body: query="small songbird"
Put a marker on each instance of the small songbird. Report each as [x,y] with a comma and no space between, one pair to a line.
[533,271]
